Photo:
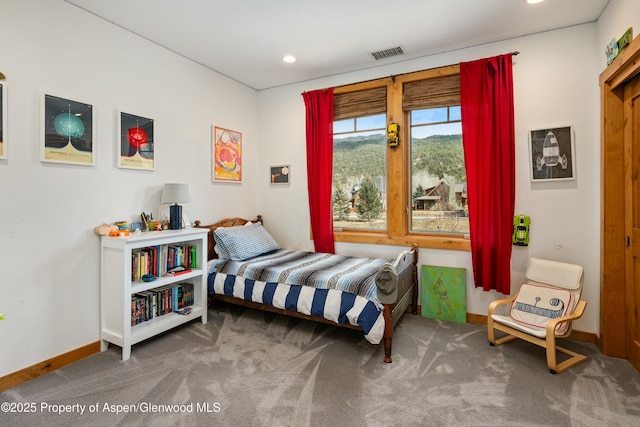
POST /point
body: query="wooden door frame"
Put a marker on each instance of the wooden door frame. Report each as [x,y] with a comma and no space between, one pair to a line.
[613,304]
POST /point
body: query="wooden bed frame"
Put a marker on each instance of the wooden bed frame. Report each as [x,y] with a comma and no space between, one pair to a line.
[393,310]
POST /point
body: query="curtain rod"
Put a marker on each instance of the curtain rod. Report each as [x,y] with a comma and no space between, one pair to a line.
[514,53]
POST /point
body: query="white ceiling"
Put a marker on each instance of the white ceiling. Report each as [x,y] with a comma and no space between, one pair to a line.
[246,39]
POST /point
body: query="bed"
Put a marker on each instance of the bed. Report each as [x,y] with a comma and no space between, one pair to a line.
[248,268]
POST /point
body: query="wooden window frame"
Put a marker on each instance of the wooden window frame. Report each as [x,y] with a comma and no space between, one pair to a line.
[398,170]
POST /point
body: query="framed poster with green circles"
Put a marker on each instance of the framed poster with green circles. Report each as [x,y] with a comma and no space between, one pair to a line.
[67,131]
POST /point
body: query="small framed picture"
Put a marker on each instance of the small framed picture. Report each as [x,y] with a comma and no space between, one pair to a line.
[552,154]
[67,131]
[280,174]
[3,120]
[136,146]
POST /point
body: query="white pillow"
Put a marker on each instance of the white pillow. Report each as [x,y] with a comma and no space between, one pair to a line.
[245,242]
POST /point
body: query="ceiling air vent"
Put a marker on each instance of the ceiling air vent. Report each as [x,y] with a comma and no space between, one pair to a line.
[387,53]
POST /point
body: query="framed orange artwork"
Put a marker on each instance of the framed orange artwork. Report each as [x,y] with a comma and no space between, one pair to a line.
[227,155]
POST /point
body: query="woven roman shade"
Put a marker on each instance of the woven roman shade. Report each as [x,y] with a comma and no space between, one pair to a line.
[359,104]
[430,93]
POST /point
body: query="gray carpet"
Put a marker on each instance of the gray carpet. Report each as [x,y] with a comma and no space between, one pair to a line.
[249,368]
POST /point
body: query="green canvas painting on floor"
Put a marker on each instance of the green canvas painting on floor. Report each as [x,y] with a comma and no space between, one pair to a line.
[444,293]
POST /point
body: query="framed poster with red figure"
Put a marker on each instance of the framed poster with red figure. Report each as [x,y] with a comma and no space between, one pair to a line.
[226,155]
[136,146]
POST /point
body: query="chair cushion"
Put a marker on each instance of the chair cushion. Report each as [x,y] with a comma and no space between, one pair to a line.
[536,305]
[506,320]
[554,273]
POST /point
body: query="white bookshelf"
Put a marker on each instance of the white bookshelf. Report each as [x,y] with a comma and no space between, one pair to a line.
[117,286]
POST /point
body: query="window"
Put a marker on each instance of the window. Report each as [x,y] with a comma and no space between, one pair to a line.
[412,193]
[438,178]
[360,173]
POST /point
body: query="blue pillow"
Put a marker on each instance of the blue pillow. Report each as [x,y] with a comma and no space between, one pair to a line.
[246,242]
[219,247]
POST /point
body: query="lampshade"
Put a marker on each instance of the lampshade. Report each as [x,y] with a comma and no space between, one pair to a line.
[176,193]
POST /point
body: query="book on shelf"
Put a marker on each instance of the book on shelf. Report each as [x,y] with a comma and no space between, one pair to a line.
[179,270]
[137,309]
[158,260]
[156,302]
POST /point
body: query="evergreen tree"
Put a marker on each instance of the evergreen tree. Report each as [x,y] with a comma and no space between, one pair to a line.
[419,192]
[340,204]
[369,206]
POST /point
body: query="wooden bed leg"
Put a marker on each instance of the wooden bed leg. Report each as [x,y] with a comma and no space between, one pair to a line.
[388,331]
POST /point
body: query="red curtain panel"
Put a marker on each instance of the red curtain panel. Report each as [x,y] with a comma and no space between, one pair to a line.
[486,97]
[319,122]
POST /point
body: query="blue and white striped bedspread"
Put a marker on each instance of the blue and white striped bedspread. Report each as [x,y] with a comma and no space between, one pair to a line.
[318,270]
[325,286]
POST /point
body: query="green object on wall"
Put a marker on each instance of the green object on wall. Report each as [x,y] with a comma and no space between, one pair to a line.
[444,293]
[521,224]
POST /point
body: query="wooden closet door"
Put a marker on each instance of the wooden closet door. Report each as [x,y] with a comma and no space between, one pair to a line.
[632,217]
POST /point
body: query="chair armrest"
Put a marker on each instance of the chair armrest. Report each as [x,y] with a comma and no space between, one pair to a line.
[495,304]
[577,313]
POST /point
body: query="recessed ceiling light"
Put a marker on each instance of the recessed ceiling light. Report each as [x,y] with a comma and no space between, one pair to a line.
[289,59]
[534,1]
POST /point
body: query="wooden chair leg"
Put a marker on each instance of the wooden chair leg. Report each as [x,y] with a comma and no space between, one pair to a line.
[552,361]
[491,334]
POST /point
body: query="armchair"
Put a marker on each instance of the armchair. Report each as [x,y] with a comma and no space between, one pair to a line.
[542,310]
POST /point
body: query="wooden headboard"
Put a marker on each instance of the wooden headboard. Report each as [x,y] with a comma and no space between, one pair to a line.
[227,222]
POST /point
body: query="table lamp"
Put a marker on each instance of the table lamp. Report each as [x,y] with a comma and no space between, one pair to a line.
[175,193]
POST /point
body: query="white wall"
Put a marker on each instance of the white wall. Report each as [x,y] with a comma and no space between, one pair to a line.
[49,255]
[555,78]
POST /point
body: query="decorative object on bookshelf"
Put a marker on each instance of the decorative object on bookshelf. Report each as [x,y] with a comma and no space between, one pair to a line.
[146,221]
[175,193]
[119,233]
[104,229]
